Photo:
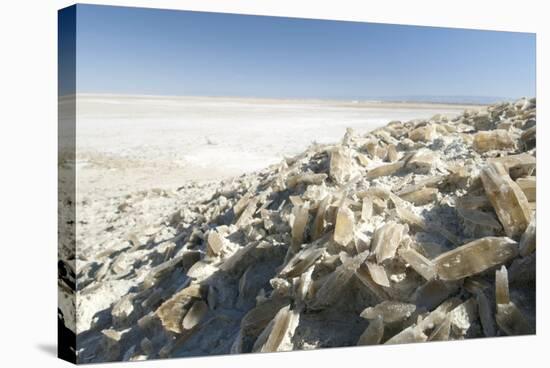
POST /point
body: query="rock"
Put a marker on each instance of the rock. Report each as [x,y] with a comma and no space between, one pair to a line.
[508,200]
[475,257]
[498,139]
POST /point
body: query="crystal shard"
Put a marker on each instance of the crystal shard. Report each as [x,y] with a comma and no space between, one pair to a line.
[421,196]
[373,333]
[334,283]
[302,261]
[463,316]
[485,314]
[392,153]
[512,321]
[411,334]
[384,170]
[301,218]
[422,161]
[528,241]
[194,315]
[278,334]
[172,311]
[475,257]
[307,178]
[215,243]
[507,198]
[418,262]
[502,293]
[319,221]
[341,165]
[366,279]
[497,139]
[389,311]
[378,274]
[529,187]
[387,239]
[423,134]
[529,138]
[441,332]
[345,226]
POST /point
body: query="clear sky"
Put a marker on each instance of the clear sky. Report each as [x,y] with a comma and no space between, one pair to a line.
[169,52]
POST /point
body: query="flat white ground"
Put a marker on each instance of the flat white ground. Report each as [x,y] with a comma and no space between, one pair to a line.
[128,143]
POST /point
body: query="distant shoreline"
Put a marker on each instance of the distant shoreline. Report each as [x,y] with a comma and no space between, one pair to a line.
[358,103]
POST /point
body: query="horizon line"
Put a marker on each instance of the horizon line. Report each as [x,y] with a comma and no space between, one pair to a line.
[426,99]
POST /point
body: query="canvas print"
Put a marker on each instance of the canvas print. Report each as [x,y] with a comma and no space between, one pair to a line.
[234,184]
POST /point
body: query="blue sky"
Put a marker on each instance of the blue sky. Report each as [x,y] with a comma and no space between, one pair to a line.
[167,52]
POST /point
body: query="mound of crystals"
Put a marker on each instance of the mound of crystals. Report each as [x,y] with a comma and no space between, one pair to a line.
[417,231]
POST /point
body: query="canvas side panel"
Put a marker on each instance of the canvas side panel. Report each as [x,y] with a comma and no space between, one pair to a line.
[66,313]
